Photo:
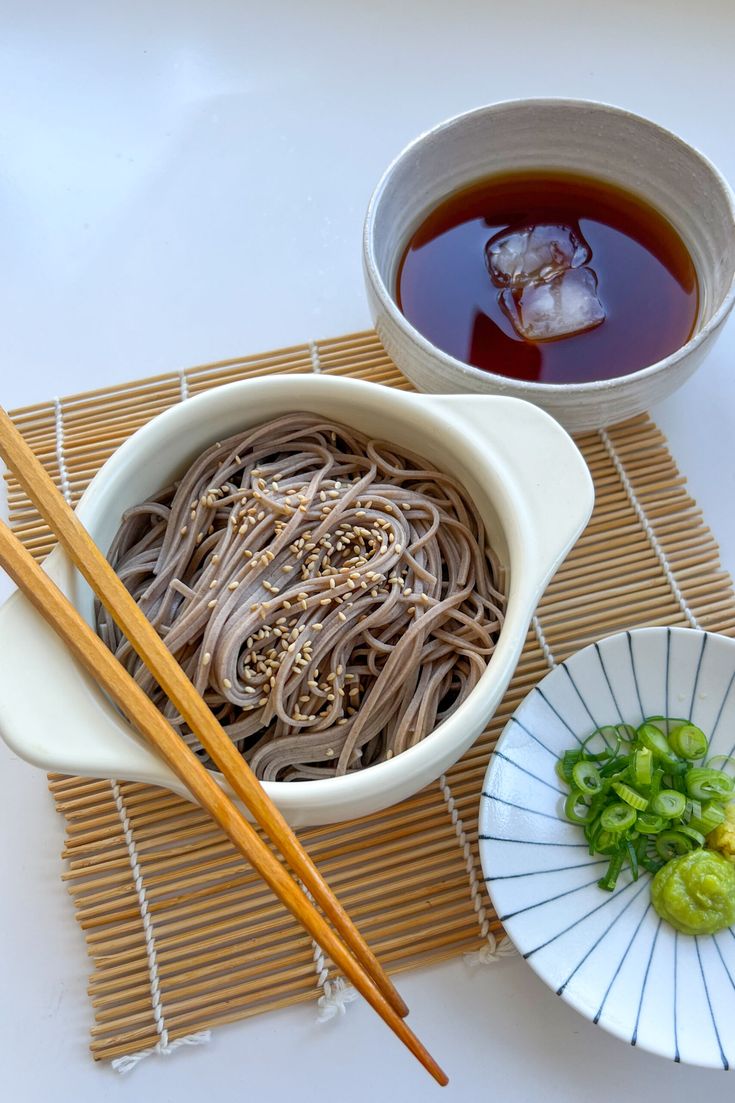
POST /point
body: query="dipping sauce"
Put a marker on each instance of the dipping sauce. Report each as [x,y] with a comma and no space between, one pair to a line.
[549,277]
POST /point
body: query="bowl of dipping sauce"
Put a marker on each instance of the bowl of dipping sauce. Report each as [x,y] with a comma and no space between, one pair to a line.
[566,252]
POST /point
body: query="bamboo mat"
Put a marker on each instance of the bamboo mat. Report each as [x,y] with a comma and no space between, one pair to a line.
[181,935]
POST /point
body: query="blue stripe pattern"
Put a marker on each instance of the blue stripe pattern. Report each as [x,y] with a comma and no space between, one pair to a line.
[608,951]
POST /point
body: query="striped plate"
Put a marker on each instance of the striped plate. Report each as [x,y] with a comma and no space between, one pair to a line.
[609,955]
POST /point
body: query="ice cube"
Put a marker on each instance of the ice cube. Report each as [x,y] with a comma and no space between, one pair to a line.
[539,252]
[558,307]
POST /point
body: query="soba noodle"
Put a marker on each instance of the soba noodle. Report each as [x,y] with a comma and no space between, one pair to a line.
[331,596]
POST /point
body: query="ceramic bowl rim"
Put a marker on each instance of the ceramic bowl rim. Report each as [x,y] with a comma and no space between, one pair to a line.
[524,388]
[569,996]
[358,784]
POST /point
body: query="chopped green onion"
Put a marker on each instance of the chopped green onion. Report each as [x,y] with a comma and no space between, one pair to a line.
[609,881]
[651,737]
[669,803]
[665,724]
[630,796]
[617,817]
[720,761]
[638,796]
[688,741]
[566,764]
[632,858]
[650,824]
[653,865]
[670,843]
[617,765]
[691,833]
[586,777]
[706,784]
[599,739]
[572,803]
[642,766]
[712,814]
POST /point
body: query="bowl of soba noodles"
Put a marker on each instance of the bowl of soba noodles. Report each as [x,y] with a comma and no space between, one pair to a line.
[346,572]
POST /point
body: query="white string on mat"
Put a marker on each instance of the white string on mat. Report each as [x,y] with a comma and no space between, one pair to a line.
[648,528]
[543,642]
[183,385]
[60,456]
[316,364]
[163,1045]
[493,948]
[337,993]
[488,953]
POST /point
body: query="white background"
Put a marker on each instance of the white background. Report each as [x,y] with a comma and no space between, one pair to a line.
[186,181]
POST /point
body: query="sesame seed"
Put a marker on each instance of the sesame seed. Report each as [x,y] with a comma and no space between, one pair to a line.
[227,683]
[211,604]
[206,658]
[341,616]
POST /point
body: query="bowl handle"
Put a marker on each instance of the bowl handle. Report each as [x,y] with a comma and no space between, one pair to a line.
[540,468]
[51,713]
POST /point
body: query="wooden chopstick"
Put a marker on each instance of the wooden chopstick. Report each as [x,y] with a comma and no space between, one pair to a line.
[92,564]
[92,653]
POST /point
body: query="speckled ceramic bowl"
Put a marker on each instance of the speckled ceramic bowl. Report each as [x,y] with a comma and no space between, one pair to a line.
[566,135]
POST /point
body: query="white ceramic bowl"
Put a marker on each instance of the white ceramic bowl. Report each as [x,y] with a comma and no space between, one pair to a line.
[608,954]
[568,135]
[530,484]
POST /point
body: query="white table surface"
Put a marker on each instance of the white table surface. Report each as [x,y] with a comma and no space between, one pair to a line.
[186,181]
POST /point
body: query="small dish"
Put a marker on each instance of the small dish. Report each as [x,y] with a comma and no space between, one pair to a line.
[527,478]
[562,135]
[609,955]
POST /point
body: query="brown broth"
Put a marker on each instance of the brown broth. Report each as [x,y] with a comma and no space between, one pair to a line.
[646,279]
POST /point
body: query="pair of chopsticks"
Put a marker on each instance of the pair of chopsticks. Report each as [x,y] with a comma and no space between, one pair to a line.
[342,941]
